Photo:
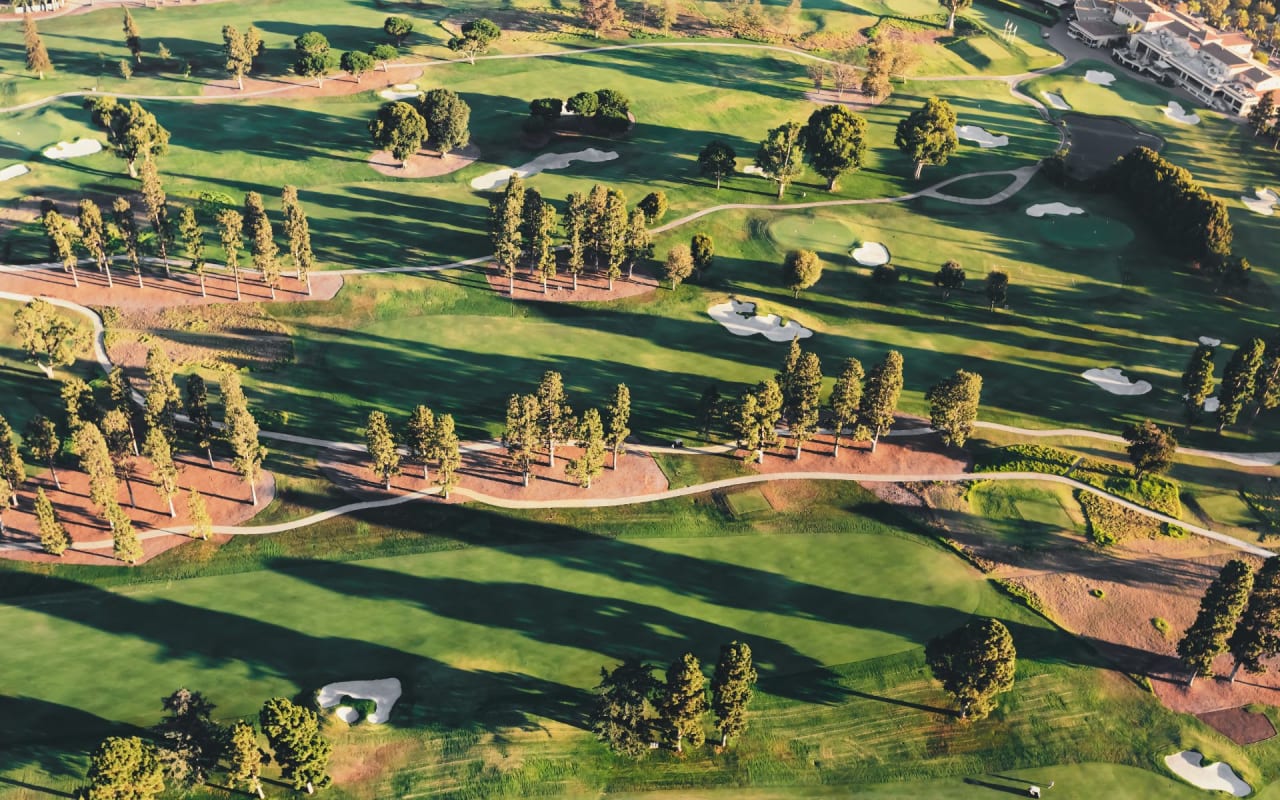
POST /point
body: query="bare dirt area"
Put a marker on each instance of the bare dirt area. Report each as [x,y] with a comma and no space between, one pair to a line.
[905,456]
[425,163]
[239,334]
[489,472]
[225,492]
[182,288]
[293,87]
[592,286]
[1240,725]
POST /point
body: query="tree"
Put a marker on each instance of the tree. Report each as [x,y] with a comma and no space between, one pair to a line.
[679,265]
[41,438]
[619,411]
[124,768]
[245,758]
[538,221]
[654,206]
[421,430]
[1239,381]
[190,742]
[447,118]
[601,15]
[357,63]
[835,142]
[12,469]
[880,401]
[1197,381]
[298,230]
[620,717]
[928,135]
[231,233]
[193,240]
[120,393]
[611,235]
[758,412]
[575,226]
[262,242]
[717,159]
[242,432]
[127,232]
[201,523]
[95,461]
[1260,115]
[37,56]
[639,244]
[731,689]
[7,494]
[954,6]
[506,221]
[591,439]
[974,663]
[447,453]
[1257,637]
[124,539]
[315,60]
[49,339]
[555,417]
[703,250]
[953,406]
[60,233]
[398,28]
[520,436]
[132,130]
[383,456]
[876,80]
[162,400]
[801,270]
[118,432]
[475,38]
[1267,393]
[997,288]
[164,473]
[93,236]
[53,537]
[383,53]
[293,732]
[779,155]
[77,402]
[1215,624]
[846,399]
[801,390]
[132,36]
[584,104]
[240,50]
[683,701]
[1150,447]
[201,421]
[949,278]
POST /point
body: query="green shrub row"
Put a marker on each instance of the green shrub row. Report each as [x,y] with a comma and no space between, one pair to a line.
[1024,595]
[1153,492]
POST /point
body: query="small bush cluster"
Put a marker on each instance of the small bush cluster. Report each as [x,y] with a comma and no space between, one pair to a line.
[1107,523]
[1028,598]
[1153,492]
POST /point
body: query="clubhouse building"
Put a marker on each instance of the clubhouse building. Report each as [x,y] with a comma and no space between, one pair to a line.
[1215,67]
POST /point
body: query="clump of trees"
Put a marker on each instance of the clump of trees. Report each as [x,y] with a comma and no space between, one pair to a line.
[440,118]
[427,438]
[928,135]
[132,131]
[604,112]
[1191,222]
[475,38]
[974,663]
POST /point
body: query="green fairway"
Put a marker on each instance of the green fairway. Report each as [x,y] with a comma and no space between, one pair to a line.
[1226,508]
[1084,232]
[1025,515]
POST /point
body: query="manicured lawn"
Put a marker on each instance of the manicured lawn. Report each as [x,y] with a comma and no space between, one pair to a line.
[1028,515]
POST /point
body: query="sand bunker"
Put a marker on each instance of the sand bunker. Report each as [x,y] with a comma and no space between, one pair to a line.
[1177,113]
[754,170]
[80,147]
[984,140]
[1211,404]
[871,254]
[1055,100]
[1210,341]
[499,178]
[384,693]
[1100,77]
[1053,209]
[13,171]
[1263,202]
[1115,381]
[739,318]
[1218,777]
[347,714]
[401,91]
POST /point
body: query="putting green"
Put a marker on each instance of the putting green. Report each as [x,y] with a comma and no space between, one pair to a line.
[829,237]
[1085,232]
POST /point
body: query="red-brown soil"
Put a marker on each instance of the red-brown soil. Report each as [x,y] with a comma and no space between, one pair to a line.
[490,473]
[591,286]
[158,291]
[900,456]
[225,492]
[1239,725]
[425,164]
[294,87]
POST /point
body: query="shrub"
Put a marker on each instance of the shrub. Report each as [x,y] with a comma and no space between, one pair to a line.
[1098,593]
[547,108]
[1107,522]
[1161,624]
[1153,491]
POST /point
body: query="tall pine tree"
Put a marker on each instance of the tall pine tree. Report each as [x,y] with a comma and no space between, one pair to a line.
[1220,610]
[731,689]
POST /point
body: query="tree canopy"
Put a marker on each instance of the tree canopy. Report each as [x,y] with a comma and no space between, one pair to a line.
[399,129]
[835,142]
[974,663]
[953,406]
[1220,609]
[928,135]
[476,37]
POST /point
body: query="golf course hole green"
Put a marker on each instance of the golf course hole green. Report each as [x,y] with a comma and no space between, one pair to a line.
[1085,232]
[829,238]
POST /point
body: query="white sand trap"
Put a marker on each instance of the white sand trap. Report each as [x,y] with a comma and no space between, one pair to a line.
[1210,341]
[1053,209]
[1115,381]
[1056,100]
[739,318]
[13,171]
[499,178]
[401,91]
[754,170]
[384,693]
[1263,202]
[1218,777]
[1211,404]
[1100,77]
[80,147]
[984,140]
[871,254]
[1177,113]
[347,714]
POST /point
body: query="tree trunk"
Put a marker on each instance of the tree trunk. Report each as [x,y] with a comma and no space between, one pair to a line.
[951,20]
[759,455]
[426,476]
[133,439]
[128,484]
[257,787]
[575,281]
[551,452]
[1234,670]
[235,273]
[133,169]
[919,169]
[526,479]
[308,284]
[75,279]
[799,446]
[138,269]
[679,742]
[110,285]
[172,511]
[544,284]
[782,187]
[831,184]
[718,176]
[203,293]
[310,788]
[875,440]
[209,452]
[615,458]
[1191,679]
[273,291]
[611,283]
[724,740]
[472,58]
[57,483]
[388,484]
[240,86]
[253,491]
[511,283]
